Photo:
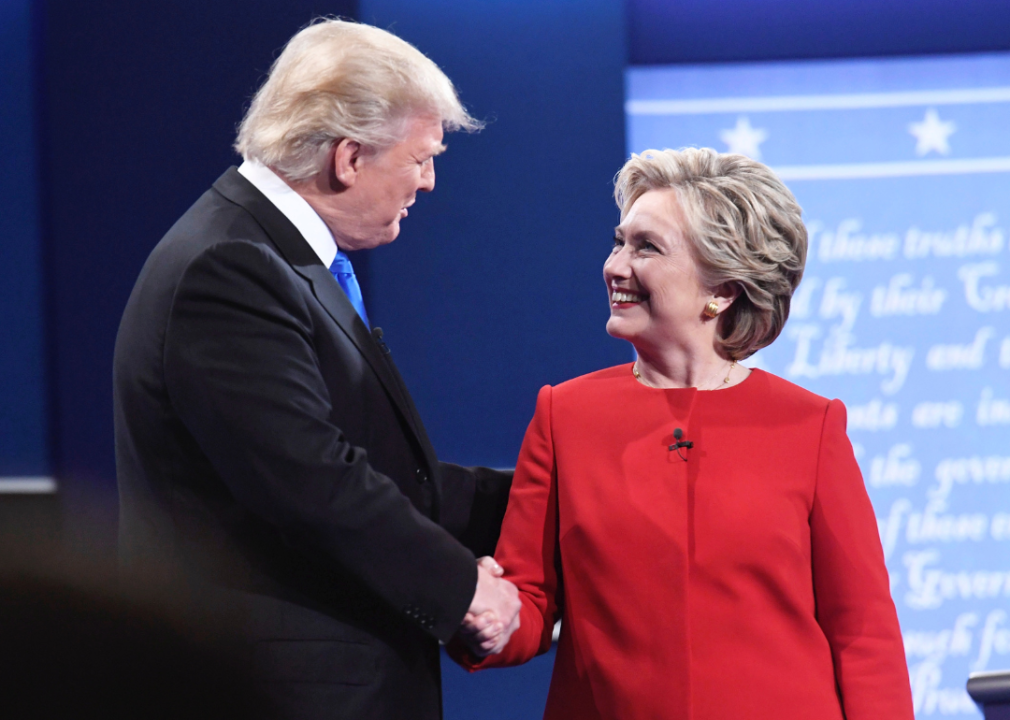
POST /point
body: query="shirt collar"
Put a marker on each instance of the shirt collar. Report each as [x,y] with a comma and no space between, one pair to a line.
[294,207]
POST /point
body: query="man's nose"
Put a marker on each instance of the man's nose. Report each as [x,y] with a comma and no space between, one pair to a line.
[427,178]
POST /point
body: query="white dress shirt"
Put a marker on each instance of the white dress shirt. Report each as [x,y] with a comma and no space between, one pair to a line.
[294,207]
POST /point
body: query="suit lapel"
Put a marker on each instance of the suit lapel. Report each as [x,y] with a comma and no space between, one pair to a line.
[427,447]
[334,300]
[306,263]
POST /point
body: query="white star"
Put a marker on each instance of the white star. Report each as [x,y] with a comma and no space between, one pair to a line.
[744,139]
[932,134]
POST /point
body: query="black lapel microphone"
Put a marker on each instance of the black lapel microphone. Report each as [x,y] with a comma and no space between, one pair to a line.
[677,435]
[377,335]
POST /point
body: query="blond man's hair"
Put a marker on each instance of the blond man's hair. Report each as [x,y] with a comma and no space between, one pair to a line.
[338,79]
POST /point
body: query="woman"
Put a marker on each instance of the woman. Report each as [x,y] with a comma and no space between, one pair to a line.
[701,528]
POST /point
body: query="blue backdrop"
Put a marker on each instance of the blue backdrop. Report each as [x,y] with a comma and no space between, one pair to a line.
[495,286]
[24,448]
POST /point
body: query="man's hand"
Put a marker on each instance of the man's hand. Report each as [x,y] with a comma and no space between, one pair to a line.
[494,612]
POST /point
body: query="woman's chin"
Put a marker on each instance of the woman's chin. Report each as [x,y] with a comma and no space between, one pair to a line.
[619,328]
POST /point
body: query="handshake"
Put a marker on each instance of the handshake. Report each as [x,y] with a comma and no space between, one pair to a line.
[494,613]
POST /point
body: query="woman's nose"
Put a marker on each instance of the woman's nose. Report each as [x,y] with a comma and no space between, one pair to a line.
[617,266]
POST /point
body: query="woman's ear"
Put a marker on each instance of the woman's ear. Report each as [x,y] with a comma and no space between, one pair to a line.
[725,295]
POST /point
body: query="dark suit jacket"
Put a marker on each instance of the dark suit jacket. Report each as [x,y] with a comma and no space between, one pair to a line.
[266,445]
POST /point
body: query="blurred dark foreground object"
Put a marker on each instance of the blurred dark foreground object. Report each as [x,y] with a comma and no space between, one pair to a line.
[991,690]
[80,643]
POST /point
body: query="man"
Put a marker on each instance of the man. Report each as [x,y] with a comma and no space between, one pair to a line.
[265,441]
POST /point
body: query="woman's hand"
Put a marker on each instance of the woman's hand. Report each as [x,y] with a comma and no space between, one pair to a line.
[484,633]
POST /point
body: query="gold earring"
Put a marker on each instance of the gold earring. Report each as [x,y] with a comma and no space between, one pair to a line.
[712,309]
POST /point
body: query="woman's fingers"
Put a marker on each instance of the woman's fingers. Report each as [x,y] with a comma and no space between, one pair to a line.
[485,624]
[491,565]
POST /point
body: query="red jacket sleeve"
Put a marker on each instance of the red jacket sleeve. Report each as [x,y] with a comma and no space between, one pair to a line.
[527,547]
[851,587]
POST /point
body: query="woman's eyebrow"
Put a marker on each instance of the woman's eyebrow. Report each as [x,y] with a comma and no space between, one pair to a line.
[638,234]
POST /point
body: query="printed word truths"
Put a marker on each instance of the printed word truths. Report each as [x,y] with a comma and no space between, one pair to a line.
[898,297]
[960,357]
[929,587]
[934,414]
[979,238]
[992,411]
[896,468]
[874,415]
[848,242]
[961,471]
[838,357]
[982,296]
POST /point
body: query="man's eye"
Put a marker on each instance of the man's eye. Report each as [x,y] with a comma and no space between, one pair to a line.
[618,242]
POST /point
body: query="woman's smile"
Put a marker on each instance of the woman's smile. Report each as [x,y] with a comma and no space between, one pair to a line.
[626,298]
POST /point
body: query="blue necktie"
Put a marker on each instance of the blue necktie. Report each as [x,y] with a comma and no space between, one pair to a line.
[344,274]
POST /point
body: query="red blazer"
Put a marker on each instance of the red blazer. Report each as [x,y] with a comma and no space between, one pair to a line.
[745,582]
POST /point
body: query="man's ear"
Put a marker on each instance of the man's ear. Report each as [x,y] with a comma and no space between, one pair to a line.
[346,161]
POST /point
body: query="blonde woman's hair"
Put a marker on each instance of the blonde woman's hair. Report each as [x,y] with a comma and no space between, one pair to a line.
[744,226]
[338,79]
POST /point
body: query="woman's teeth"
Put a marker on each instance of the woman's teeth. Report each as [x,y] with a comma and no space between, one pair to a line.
[626,297]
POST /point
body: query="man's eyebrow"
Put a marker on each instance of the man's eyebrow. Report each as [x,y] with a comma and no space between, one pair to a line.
[439,150]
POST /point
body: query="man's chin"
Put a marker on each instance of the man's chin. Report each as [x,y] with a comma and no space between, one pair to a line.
[392,233]
[379,239]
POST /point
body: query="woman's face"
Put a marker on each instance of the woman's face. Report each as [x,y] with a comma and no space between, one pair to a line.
[656,295]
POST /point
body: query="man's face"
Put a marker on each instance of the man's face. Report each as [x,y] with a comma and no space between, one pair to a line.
[387,184]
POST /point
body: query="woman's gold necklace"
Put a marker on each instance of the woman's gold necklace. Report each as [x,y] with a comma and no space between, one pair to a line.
[638,376]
